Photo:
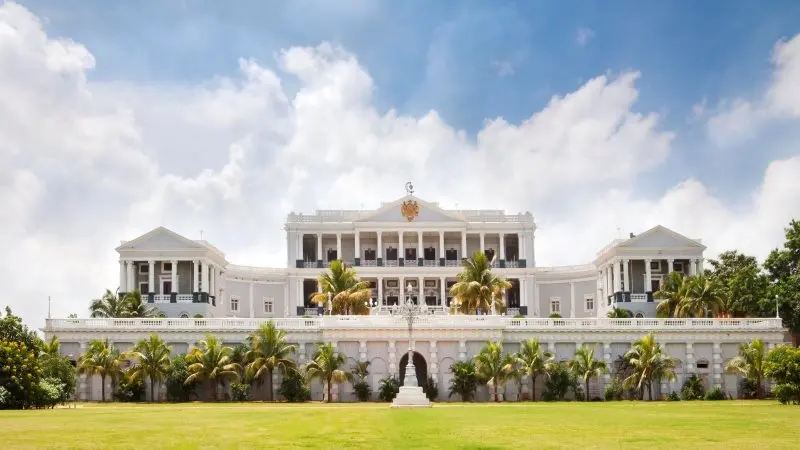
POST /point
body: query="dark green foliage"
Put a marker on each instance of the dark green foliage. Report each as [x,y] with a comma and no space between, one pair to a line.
[555,316]
[20,368]
[362,390]
[240,392]
[745,288]
[783,271]
[560,380]
[693,388]
[747,388]
[673,397]
[715,394]
[47,394]
[129,390]
[59,368]
[430,389]
[783,366]
[294,388]
[614,390]
[177,389]
[388,387]
[464,381]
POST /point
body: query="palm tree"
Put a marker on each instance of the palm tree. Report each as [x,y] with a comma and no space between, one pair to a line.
[703,297]
[649,362]
[619,313]
[52,348]
[153,361]
[586,367]
[349,294]
[464,380]
[532,361]
[476,286]
[103,359]
[750,363]
[671,294]
[493,366]
[267,352]
[211,361]
[326,365]
[109,305]
[136,307]
[361,370]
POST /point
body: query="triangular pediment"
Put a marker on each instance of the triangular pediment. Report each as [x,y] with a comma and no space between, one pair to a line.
[160,239]
[661,237]
[425,212]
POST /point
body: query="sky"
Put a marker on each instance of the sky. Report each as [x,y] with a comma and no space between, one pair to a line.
[119,117]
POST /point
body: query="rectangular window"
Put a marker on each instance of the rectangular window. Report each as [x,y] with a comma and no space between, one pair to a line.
[391,254]
[369,254]
[144,268]
[430,254]
[555,305]
[268,306]
[678,266]
[144,288]
[589,301]
[166,287]
[655,266]
[332,256]
[451,255]
[166,267]
[411,254]
[234,304]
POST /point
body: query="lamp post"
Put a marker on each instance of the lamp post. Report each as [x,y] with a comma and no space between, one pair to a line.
[777,307]
[410,312]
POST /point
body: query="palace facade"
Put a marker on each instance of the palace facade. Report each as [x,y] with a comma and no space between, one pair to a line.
[412,249]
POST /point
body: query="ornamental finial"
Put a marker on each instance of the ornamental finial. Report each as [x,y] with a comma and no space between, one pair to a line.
[409,188]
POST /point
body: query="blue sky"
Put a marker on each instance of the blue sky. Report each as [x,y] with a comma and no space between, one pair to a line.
[120,116]
[467,60]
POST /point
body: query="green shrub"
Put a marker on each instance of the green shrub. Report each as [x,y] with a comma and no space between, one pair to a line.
[240,392]
[464,380]
[198,316]
[715,394]
[363,391]
[294,388]
[48,393]
[673,396]
[430,389]
[693,388]
[519,316]
[129,390]
[614,390]
[59,368]
[388,387]
[787,394]
[177,390]
[560,380]
[555,316]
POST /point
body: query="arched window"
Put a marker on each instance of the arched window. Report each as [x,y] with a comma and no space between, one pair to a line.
[639,315]
[184,316]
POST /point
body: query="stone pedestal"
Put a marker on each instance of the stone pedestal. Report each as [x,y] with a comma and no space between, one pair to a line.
[411,397]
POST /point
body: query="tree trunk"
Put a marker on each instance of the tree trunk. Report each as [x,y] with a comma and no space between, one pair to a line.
[758,388]
[329,391]
[533,388]
[152,391]
[269,386]
[650,391]
[496,398]
[102,388]
[587,391]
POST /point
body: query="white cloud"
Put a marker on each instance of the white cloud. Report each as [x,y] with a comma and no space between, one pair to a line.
[583,36]
[741,120]
[88,163]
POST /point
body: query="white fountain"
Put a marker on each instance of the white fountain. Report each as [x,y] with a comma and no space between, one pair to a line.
[411,394]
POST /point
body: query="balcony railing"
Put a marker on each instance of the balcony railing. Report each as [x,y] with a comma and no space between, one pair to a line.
[392,263]
[369,263]
[428,321]
[452,263]
[179,298]
[430,263]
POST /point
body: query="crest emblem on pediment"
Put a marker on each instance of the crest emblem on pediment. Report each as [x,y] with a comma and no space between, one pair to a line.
[409,208]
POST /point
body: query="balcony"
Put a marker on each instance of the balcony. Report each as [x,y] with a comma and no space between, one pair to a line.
[430,263]
[166,298]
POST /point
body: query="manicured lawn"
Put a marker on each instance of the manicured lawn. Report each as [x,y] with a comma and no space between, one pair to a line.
[729,424]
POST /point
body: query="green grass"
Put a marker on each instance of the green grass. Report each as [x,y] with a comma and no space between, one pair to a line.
[728,424]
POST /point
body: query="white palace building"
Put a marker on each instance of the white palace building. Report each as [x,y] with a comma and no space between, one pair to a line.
[413,248]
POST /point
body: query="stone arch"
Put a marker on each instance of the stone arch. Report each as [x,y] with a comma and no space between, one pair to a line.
[445,363]
[420,366]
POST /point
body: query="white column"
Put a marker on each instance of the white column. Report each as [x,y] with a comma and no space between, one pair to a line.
[123,278]
[626,271]
[298,246]
[503,246]
[319,247]
[617,277]
[380,244]
[571,299]
[521,244]
[401,250]
[443,292]
[700,270]
[523,286]
[174,277]
[250,301]
[464,245]
[419,246]
[536,298]
[402,282]
[607,358]
[441,245]
[195,276]
[339,247]
[462,350]
[131,275]
[692,267]
[609,280]
[421,287]
[483,241]
[204,284]
[151,277]
[716,364]
[648,275]
[358,244]
[670,265]
[212,279]
[381,301]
